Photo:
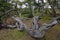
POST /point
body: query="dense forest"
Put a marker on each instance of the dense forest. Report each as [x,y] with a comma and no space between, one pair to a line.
[29,19]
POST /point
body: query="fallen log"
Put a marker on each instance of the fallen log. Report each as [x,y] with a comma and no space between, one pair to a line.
[37,31]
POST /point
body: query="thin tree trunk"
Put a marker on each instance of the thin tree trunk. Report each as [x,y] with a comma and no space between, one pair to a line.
[31,8]
[42,8]
[53,10]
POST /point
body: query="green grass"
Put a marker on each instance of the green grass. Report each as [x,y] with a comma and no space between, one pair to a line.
[18,34]
[47,17]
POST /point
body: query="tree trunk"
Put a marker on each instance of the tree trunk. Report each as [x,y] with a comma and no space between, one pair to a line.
[53,10]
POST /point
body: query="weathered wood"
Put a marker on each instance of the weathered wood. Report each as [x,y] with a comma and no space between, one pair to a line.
[37,31]
[51,24]
[35,22]
[20,24]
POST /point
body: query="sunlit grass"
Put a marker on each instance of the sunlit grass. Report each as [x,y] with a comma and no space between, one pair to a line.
[18,35]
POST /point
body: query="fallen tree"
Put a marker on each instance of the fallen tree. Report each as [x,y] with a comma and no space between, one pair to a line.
[37,31]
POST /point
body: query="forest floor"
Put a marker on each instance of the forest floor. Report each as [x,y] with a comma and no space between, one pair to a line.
[14,34]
